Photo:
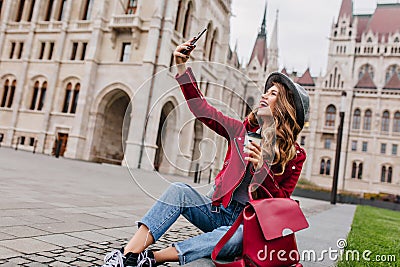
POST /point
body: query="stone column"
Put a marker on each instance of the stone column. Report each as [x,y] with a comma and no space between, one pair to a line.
[53,84]
[77,139]
[6,16]
[22,81]
[134,149]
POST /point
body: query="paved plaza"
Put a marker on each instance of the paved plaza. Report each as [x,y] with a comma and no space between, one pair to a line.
[61,212]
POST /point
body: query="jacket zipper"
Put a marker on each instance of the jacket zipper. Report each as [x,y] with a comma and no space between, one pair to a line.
[237,148]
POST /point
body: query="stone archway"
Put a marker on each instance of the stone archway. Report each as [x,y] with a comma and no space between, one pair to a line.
[111,127]
[166,151]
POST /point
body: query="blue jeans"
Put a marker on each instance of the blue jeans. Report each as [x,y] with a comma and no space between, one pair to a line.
[182,199]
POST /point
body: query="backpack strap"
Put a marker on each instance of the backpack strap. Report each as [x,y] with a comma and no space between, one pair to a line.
[221,243]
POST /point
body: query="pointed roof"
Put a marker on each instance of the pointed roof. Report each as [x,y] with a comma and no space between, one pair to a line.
[263,30]
[306,79]
[233,57]
[393,83]
[362,24]
[346,9]
[260,46]
[284,71]
[365,82]
[385,20]
[274,37]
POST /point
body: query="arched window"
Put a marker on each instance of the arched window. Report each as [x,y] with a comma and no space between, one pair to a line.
[67,98]
[364,69]
[383,174]
[42,95]
[8,93]
[367,120]
[12,92]
[386,173]
[212,45]
[188,20]
[392,70]
[396,122]
[38,96]
[325,166]
[356,119]
[70,105]
[328,167]
[322,167]
[34,95]
[75,98]
[360,170]
[207,40]
[354,170]
[5,93]
[178,15]
[330,116]
[385,121]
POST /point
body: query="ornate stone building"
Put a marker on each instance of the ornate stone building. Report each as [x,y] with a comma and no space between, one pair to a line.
[93,80]
[364,62]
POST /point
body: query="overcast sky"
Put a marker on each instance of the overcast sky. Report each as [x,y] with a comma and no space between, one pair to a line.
[303,29]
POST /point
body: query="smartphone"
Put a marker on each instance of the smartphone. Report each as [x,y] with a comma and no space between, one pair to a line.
[195,40]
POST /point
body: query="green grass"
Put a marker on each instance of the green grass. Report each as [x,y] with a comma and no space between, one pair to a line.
[376,230]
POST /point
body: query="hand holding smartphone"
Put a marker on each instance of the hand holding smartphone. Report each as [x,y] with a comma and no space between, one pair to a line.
[193,42]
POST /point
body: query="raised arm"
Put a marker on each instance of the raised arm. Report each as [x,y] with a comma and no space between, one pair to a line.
[207,114]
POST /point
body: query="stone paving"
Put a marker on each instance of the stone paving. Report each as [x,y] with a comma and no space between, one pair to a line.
[90,254]
[61,212]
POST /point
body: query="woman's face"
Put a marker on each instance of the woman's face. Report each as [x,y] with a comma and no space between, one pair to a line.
[268,101]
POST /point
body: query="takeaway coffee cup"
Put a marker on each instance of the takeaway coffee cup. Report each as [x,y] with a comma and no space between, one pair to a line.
[251,137]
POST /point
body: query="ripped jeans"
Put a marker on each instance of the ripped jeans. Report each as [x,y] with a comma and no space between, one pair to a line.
[182,199]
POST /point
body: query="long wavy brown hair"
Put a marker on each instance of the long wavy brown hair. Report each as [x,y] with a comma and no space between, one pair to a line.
[279,138]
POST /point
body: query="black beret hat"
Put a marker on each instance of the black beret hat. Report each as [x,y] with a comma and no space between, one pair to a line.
[300,95]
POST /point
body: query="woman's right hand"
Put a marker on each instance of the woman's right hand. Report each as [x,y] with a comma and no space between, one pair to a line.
[180,58]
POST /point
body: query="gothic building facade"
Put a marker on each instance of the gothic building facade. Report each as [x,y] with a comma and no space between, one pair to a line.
[363,62]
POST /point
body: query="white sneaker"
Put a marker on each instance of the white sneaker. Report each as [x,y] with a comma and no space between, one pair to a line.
[114,259]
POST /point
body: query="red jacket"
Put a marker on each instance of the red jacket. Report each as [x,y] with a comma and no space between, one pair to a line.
[232,173]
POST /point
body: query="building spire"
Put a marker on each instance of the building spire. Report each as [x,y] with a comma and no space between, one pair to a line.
[273,52]
[346,9]
[260,46]
[263,30]
[274,36]
[236,46]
